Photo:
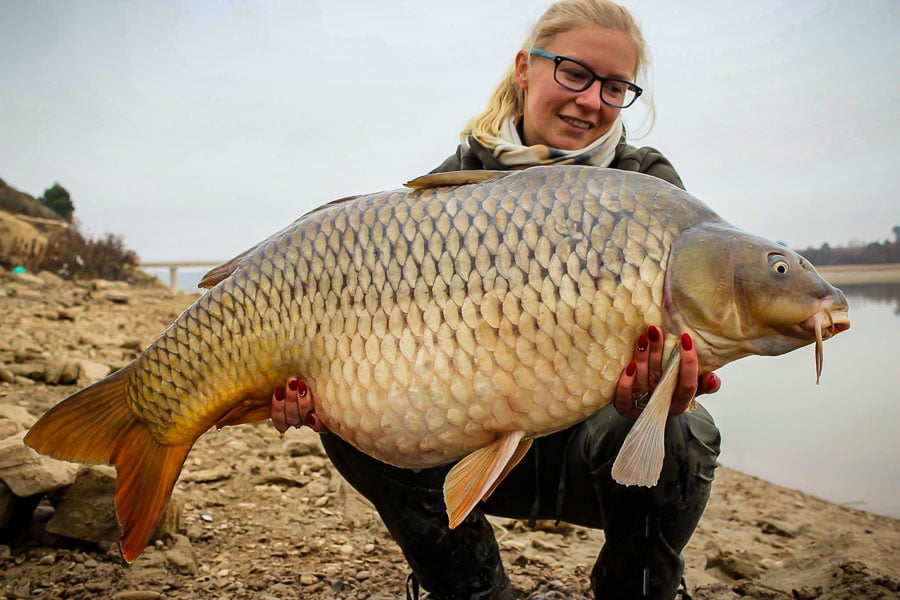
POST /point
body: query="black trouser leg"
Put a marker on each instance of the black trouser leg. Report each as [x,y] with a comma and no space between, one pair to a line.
[646,528]
[463,563]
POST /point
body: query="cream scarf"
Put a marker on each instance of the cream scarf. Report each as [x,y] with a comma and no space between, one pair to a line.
[509,150]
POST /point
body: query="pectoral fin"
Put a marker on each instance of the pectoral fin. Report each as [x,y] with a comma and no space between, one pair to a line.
[477,475]
[641,457]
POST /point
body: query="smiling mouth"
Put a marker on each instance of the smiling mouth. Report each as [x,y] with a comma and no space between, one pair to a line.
[577,123]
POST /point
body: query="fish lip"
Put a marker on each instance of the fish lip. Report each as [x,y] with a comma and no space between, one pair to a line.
[832,321]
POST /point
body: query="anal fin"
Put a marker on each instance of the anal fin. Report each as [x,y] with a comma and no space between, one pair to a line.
[477,475]
[245,412]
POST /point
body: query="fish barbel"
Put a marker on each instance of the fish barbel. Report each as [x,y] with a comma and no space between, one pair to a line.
[455,321]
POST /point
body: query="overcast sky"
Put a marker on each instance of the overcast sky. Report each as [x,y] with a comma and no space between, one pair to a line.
[196,129]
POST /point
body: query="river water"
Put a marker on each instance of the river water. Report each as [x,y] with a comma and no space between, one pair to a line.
[837,440]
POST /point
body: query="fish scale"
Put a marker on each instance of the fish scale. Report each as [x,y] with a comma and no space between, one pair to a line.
[454,321]
[476,317]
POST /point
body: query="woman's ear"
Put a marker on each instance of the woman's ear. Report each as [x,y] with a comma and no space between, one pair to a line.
[522,70]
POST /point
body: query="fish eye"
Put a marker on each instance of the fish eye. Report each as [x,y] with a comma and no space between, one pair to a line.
[779,264]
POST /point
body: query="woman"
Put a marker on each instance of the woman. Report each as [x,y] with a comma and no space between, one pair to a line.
[560,103]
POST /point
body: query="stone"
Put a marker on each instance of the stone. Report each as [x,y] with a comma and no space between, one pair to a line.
[18,414]
[780,528]
[303,442]
[737,565]
[106,284]
[28,278]
[86,510]
[62,371]
[28,473]
[9,427]
[50,278]
[181,556]
[31,370]
[6,375]
[138,595]
[92,371]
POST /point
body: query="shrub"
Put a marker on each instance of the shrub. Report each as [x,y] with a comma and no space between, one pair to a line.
[71,255]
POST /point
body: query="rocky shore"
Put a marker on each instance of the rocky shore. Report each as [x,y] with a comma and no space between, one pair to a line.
[257,515]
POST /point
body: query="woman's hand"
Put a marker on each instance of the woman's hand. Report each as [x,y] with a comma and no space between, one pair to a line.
[292,406]
[640,377]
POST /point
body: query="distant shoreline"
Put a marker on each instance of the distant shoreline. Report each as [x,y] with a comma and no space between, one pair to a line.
[850,274]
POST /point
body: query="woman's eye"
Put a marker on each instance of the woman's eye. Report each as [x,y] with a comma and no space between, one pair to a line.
[575,75]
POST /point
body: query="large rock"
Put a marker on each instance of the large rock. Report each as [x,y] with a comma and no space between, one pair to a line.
[28,473]
[30,370]
[9,427]
[91,371]
[86,509]
[51,278]
[62,371]
[18,414]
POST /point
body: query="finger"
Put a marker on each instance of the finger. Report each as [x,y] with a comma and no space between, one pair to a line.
[304,398]
[624,402]
[308,409]
[642,365]
[709,384]
[686,388]
[277,411]
[292,404]
[655,356]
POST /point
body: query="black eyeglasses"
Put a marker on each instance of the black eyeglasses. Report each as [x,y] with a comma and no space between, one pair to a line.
[577,77]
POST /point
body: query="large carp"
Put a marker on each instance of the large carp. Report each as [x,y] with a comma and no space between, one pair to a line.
[456,320]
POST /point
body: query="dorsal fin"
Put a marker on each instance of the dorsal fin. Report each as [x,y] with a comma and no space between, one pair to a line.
[453,178]
[223,271]
[220,273]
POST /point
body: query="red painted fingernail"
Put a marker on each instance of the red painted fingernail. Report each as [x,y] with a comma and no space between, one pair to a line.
[642,343]
[279,393]
[292,383]
[312,420]
[686,342]
[302,389]
[631,368]
[653,333]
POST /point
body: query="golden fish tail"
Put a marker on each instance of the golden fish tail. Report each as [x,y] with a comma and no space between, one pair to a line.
[96,425]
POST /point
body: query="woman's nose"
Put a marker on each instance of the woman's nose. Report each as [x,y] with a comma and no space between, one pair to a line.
[590,98]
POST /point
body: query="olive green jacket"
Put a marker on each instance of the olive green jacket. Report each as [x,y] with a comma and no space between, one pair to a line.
[627,158]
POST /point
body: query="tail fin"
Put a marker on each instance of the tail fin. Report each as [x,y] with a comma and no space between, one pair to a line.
[96,425]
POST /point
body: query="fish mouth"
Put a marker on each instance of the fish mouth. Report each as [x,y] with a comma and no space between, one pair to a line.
[827,322]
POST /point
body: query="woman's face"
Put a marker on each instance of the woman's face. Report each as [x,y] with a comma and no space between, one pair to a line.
[557,117]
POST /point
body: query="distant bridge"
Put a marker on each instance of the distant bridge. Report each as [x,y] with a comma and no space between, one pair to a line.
[173,268]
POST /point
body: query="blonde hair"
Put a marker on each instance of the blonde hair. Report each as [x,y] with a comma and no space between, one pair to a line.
[509,101]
